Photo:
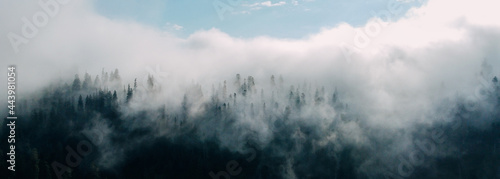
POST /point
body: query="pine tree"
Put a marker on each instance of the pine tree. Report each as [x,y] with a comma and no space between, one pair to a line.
[86,81]
[97,81]
[135,84]
[105,78]
[76,83]
[117,75]
[115,97]
[129,94]
[88,103]
[80,103]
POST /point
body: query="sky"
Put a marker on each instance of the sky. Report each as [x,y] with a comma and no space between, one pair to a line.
[283,19]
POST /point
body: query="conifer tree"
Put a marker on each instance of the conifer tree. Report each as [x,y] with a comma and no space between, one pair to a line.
[80,103]
[115,97]
[135,84]
[129,94]
[87,80]
[76,83]
[97,81]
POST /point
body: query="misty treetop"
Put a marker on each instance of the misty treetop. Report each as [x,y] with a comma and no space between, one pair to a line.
[140,130]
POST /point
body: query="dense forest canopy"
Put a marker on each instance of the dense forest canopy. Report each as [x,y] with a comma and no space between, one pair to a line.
[243,128]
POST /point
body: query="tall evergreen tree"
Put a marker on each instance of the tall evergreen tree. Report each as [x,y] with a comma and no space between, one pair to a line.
[129,94]
[135,84]
[97,81]
[115,97]
[76,83]
[87,81]
[117,75]
[80,103]
[88,103]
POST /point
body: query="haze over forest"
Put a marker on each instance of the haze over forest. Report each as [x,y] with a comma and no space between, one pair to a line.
[410,93]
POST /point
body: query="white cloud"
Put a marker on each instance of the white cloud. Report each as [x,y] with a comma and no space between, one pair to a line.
[175,27]
[394,79]
[260,5]
[270,4]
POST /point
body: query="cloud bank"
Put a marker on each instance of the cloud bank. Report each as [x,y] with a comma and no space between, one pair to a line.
[390,61]
[394,72]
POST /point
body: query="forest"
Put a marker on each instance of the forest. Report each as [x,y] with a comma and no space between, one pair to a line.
[101,126]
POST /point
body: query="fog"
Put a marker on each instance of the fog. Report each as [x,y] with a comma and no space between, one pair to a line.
[396,76]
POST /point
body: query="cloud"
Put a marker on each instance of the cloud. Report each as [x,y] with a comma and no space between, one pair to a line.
[260,5]
[415,54]
[398,72]
[177,27]
[174,27]
[270,4]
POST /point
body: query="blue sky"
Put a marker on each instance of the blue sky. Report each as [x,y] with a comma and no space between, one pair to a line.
[281,19]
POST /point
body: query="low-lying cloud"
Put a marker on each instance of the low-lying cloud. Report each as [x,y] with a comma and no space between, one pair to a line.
[395,73]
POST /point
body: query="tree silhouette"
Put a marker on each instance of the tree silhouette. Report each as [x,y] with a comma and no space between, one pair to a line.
[80,103]
[76,83]
[135,84]
[87,81]
[115,97]
[97,81]
[130,93]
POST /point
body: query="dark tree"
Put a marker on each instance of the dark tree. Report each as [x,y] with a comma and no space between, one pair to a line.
[76,83]
[115,97]
[135,84]
[80,103]
[130,93]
